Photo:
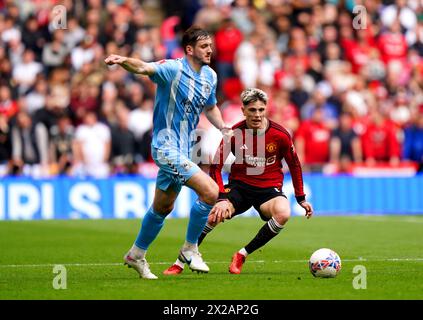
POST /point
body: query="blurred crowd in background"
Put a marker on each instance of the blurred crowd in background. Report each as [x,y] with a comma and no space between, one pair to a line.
[347,82]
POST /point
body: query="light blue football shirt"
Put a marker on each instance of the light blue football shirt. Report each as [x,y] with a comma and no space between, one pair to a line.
[182,94]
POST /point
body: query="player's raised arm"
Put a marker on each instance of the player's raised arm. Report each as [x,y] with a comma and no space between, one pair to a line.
[131,64]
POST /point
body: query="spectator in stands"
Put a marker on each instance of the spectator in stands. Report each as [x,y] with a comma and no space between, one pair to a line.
[345,145]
[15,51]
[91,148]
[25,73]
[8,106]
[315,69]
[242,12]
[5,145]
[227,40]
[29,146]
[246,62]
[400,113]
[10,30]
[281,26]
[269,61]
[413,139]
[284,112]
[320,101]
[55,52]
[231,107]
[298,53]
[55,106]
[5,68]
[358,49]
[62,135]
[134,95]
[109,102]
[392,44]
[74,33]
[141,118]
[84,99]
[33,36]
[208,16]
[380,143]
[417,39]
[299,84]
[312,142]
[143,45]
[84,53]
[37,96]
[123,144]
[329,35]
[401,11]
[144,146]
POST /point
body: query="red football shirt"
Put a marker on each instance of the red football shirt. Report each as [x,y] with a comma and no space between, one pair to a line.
[227,41]
[316,141]
[259,158]
[380,142]
[393,47]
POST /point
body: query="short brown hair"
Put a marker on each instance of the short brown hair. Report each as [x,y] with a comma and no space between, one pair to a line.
[192,35]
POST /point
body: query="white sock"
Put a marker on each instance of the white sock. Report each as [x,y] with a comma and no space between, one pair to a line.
[137,253]
[188,246]
[179,263]
[243,252]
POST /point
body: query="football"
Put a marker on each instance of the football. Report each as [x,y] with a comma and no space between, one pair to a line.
[325,263]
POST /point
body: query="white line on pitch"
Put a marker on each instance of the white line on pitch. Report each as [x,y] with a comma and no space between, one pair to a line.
[212,262]
[376,218]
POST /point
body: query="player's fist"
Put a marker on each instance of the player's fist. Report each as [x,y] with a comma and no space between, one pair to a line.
[114,59]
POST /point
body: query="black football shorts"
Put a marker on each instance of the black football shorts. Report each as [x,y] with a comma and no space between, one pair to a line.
[244,196]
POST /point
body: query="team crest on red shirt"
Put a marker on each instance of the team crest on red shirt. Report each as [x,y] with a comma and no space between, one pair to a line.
[271,147]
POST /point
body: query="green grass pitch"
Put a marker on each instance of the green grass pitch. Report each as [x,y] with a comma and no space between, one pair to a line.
[389,247]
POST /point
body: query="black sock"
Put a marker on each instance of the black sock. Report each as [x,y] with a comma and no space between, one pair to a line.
[203,234]
[265,234]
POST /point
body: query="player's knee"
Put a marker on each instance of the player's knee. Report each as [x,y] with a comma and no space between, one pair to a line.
[282,217]
[210,194]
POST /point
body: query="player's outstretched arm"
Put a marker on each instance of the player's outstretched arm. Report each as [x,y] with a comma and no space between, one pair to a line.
[131,64]
[308,209]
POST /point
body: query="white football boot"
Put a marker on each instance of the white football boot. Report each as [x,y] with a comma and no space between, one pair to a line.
[141,266]
[194,260]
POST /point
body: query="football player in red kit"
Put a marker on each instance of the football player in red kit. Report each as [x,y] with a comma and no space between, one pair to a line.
[256,177]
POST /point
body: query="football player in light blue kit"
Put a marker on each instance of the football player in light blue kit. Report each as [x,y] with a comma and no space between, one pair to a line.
[185,87]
